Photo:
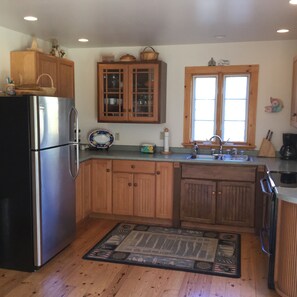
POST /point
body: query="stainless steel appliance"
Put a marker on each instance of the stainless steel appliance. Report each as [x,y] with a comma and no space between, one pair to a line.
[269,185]
[39,164]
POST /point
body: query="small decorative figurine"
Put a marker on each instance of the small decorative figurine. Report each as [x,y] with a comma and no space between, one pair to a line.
[212,62]
[276,105]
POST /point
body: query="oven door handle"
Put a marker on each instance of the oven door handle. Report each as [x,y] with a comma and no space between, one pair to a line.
[264,181]
[262,235]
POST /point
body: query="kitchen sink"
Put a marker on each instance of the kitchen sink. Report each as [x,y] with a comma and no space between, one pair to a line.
[223,157]
[201,157]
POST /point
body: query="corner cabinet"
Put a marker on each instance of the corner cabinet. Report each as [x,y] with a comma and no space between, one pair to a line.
[294,95]
[132,92]
[26,66]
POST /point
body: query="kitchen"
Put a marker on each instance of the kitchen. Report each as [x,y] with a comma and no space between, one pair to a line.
[274,57]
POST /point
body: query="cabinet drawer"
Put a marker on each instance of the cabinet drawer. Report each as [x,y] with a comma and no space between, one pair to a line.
[133,166]
[219,172]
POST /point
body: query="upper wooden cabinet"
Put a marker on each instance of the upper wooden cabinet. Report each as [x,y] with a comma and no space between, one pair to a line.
[133,92]
[294,95]
[26,66]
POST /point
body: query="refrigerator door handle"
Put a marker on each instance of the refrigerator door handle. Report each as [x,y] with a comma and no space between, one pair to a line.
[75,125]
[74,161]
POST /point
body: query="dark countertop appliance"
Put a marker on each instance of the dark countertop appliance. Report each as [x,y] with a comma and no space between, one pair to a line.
[288,150]
[39,159]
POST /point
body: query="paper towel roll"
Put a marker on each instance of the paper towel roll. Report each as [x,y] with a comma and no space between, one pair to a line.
[166,140]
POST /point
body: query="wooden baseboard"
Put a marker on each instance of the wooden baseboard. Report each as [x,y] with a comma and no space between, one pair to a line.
[132,219]
[219,228]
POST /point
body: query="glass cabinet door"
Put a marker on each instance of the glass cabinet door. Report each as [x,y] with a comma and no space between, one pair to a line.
[143,90]
[112,93]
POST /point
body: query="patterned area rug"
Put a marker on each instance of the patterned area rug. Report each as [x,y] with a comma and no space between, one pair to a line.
[180,249]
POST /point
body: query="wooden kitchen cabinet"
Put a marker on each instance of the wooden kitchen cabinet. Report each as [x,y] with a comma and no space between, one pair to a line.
[134,188]
[235,203]
[198,201]
[101,186]
[26,66]
[294,95]
[164,190]
[285,271]
[133,92]
[83,191]
[218,194]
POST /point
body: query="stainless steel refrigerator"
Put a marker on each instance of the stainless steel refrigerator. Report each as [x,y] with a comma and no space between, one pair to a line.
[38,166]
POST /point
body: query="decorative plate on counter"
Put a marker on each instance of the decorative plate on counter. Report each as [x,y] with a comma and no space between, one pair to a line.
[101,138]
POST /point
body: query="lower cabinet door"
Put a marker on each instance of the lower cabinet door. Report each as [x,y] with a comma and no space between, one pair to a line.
[144,195]
[83,191]
[122,193]
[235,203]
[198,200]
[101,186]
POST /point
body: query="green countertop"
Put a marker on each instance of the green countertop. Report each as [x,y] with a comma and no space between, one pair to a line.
[272,164]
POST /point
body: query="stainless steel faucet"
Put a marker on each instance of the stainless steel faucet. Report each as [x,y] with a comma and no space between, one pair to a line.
[220,140]
[195,151]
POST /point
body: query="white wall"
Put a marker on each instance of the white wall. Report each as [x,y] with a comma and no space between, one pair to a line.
[275,80]
[11,41]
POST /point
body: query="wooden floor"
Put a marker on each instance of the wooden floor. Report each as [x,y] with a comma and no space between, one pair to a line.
[68,275]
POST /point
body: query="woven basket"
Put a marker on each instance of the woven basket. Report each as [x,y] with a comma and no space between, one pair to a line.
[35,89]
[149,54]
[47,90]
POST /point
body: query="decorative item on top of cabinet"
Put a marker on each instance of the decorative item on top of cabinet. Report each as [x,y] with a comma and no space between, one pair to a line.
[294,95]
[132,92]
[26,66]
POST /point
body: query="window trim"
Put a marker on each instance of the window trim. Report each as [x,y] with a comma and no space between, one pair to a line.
[253,70]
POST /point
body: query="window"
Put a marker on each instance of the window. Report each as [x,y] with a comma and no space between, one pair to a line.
[221,100]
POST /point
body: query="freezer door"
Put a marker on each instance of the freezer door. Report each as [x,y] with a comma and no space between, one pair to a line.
[53,121]
[54,201]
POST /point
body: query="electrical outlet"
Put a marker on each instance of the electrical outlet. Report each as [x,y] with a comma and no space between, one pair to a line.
[162,135]
[117,136]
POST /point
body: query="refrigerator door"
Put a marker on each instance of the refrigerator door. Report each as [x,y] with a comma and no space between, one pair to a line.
[54,201]
[53,122]
[16,225]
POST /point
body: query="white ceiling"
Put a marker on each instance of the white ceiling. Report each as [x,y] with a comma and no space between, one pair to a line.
[150,22]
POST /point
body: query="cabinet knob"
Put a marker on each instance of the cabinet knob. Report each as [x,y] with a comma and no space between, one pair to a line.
[129,184]
[294,114]
[135,184]
[107,170]
[132,166]
[213,193]
[219,193]
[158,172]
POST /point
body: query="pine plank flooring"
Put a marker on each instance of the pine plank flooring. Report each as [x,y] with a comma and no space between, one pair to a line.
[69,275]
